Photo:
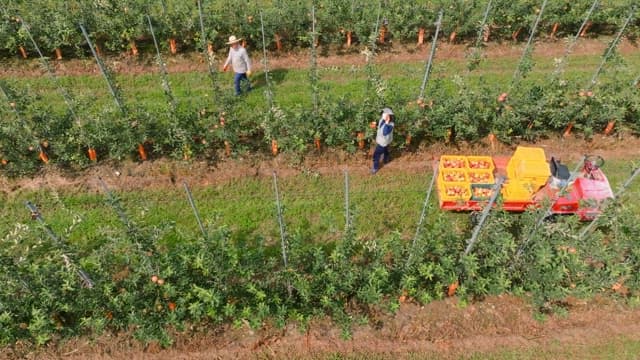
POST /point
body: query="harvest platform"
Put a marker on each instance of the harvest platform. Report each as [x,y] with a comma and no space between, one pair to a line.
[465,183]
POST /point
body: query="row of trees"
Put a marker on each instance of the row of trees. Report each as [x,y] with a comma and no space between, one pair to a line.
[119,25]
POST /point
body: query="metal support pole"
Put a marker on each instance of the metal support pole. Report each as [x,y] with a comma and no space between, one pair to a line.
[195,210]
[427,69]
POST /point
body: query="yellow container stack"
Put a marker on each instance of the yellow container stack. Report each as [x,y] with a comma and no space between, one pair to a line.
[457,175]
[527,172]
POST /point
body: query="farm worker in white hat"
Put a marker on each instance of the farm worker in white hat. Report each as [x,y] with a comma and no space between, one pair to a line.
[384,135]
[240,62]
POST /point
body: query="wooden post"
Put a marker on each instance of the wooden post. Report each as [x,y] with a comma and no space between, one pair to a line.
[274,147]
[583,33]
[58,53]
[173,47]
[348,38]
[23,52]
[554,30]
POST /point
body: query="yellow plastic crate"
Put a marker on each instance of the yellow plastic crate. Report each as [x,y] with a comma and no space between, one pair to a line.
[453,162]
[480,176]
[515,190]
[454,192]
[453,175]
[480,162]
[537,172]
[529,153]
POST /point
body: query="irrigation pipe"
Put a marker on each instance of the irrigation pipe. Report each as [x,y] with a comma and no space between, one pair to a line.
[103,70]
[163,69]
[432,53]
[35,214]
[602,206]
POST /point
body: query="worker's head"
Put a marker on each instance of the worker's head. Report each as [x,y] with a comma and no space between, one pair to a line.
[388,113]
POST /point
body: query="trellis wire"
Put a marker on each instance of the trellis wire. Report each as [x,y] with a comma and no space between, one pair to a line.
[527,50]
[612,46]
[35,214]
[163,69]
[485,212]
[103,70]
[432,53]
[602,206]
[423,215]
[283,234]
[195,210]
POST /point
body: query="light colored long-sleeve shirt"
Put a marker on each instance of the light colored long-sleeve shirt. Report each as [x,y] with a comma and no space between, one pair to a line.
[239,59]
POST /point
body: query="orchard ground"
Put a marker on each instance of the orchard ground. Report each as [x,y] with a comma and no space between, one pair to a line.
[494,327]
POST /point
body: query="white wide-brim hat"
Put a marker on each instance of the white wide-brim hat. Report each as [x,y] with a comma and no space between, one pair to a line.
[233,40]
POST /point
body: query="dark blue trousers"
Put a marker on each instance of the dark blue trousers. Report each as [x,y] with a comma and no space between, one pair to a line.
[380,151]
[237,79]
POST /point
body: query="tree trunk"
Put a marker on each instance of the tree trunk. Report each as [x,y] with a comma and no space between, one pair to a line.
[23,52]
[486,33]
[360,137]
[274,147]
[278,42]
[173,47]
[227,148]
[583,33]
[554,30]
[609,128]
[383,34]
[210,48]
[317,143]
[567,130]
[452,37]
[142,152]
[134,48]
[514,35]
[421,36]
[348,38]
[58,53]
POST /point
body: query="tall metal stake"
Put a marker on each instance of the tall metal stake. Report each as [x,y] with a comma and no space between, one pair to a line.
[547,212]
[103,70]
[485,212]
[265,64]
[163,69]
[527,50]
[613,45]
[54,78]
[283,235]
[423,215]
[35,214]
[427,69]
[347,207]
[195,210]
[602,207]
[573,42]
[212,69]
